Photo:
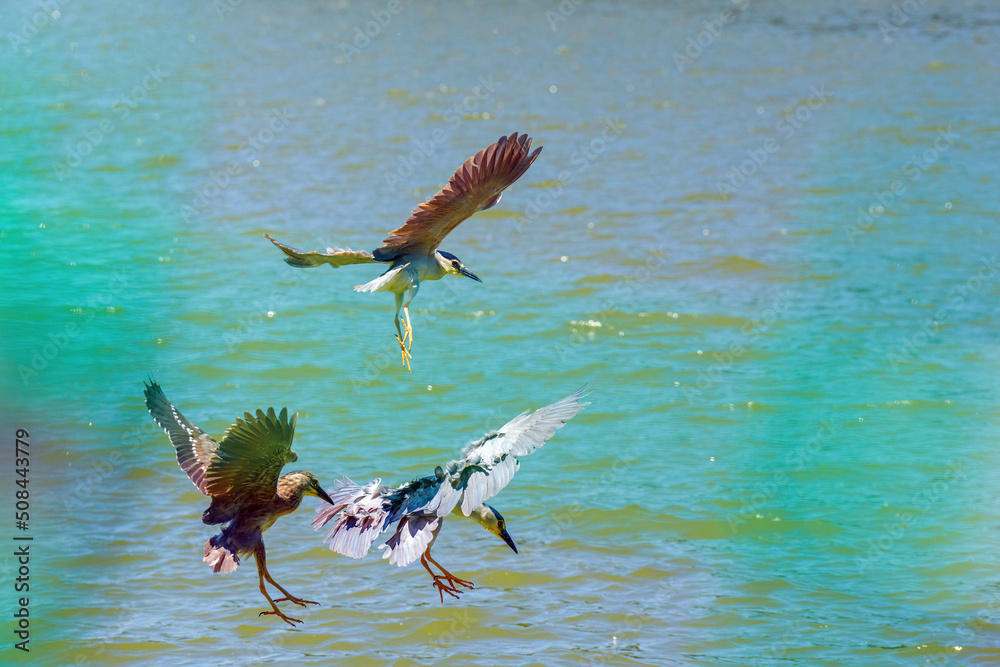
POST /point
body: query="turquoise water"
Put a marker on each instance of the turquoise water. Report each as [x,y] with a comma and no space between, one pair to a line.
[790,456]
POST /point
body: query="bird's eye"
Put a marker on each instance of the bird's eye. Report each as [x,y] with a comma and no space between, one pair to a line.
[500,525]
[454,263]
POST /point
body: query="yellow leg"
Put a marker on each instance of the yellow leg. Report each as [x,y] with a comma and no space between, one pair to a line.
[261,573]
[400,336]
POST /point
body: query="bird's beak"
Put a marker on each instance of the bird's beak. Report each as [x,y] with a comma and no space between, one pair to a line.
[469,274]
[321,494]
[505,536]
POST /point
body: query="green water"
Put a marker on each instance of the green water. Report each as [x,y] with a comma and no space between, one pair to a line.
[791,452]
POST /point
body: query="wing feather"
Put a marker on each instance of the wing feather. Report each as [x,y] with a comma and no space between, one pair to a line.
[475,186]
[488,464]
[362,516]
[195,449]
[251,455]
[335,257]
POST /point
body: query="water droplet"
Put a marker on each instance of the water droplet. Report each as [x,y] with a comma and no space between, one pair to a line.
[270,313]
[784,232]
[564,258]
[590,225]
[700,352]
[191,39]
[56,14]
[947,205]
[553,89]
[705,232]
[760,109]
[711,458]
[430,387]
[256,163]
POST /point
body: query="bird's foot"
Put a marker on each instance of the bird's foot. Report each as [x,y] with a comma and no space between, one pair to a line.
[295,600]
[408,336]
[406,353]
[287,619]
[450,586]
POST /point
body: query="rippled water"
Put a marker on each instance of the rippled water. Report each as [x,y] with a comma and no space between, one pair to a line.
[791,452]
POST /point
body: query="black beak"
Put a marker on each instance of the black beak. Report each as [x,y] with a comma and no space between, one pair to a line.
[469,274]
[322,495]
[505,536]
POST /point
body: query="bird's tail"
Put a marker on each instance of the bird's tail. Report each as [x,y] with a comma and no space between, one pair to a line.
[220,553]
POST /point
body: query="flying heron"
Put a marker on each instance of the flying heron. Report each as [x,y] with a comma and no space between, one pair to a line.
[419,507]
[412,250]
[241,474]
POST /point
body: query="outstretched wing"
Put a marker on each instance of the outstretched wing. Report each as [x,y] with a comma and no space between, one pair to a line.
[488,464]
[335,257]
[194,447]
[250,457]
[360,513]
[475,186]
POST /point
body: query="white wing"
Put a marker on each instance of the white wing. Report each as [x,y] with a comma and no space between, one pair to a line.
[413,536]
[362,512]
[488,464]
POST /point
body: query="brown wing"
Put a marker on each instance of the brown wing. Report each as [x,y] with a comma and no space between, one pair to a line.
[333,256]
[194,447]
[250,457]
[475,186]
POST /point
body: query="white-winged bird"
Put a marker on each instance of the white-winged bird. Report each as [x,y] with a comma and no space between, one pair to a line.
[412,250]
[361,513]
[242,474]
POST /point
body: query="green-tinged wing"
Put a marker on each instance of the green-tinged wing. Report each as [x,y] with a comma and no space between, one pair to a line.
[250,457]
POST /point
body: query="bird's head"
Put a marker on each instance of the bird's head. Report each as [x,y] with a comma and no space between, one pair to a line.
[452,264]
[307,483]
[493,521]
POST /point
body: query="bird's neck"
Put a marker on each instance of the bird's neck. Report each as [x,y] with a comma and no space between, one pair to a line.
[480,515]
[288,496]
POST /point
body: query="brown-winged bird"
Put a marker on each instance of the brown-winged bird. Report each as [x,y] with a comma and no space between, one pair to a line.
[411,251]
[241,474]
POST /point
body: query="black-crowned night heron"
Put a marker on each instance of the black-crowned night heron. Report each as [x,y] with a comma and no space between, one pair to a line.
[241,474]
[411,251]
[485,467]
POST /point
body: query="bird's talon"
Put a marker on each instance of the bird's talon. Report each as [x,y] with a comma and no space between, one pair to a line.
[406,353]
[287,619]
[298,601]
